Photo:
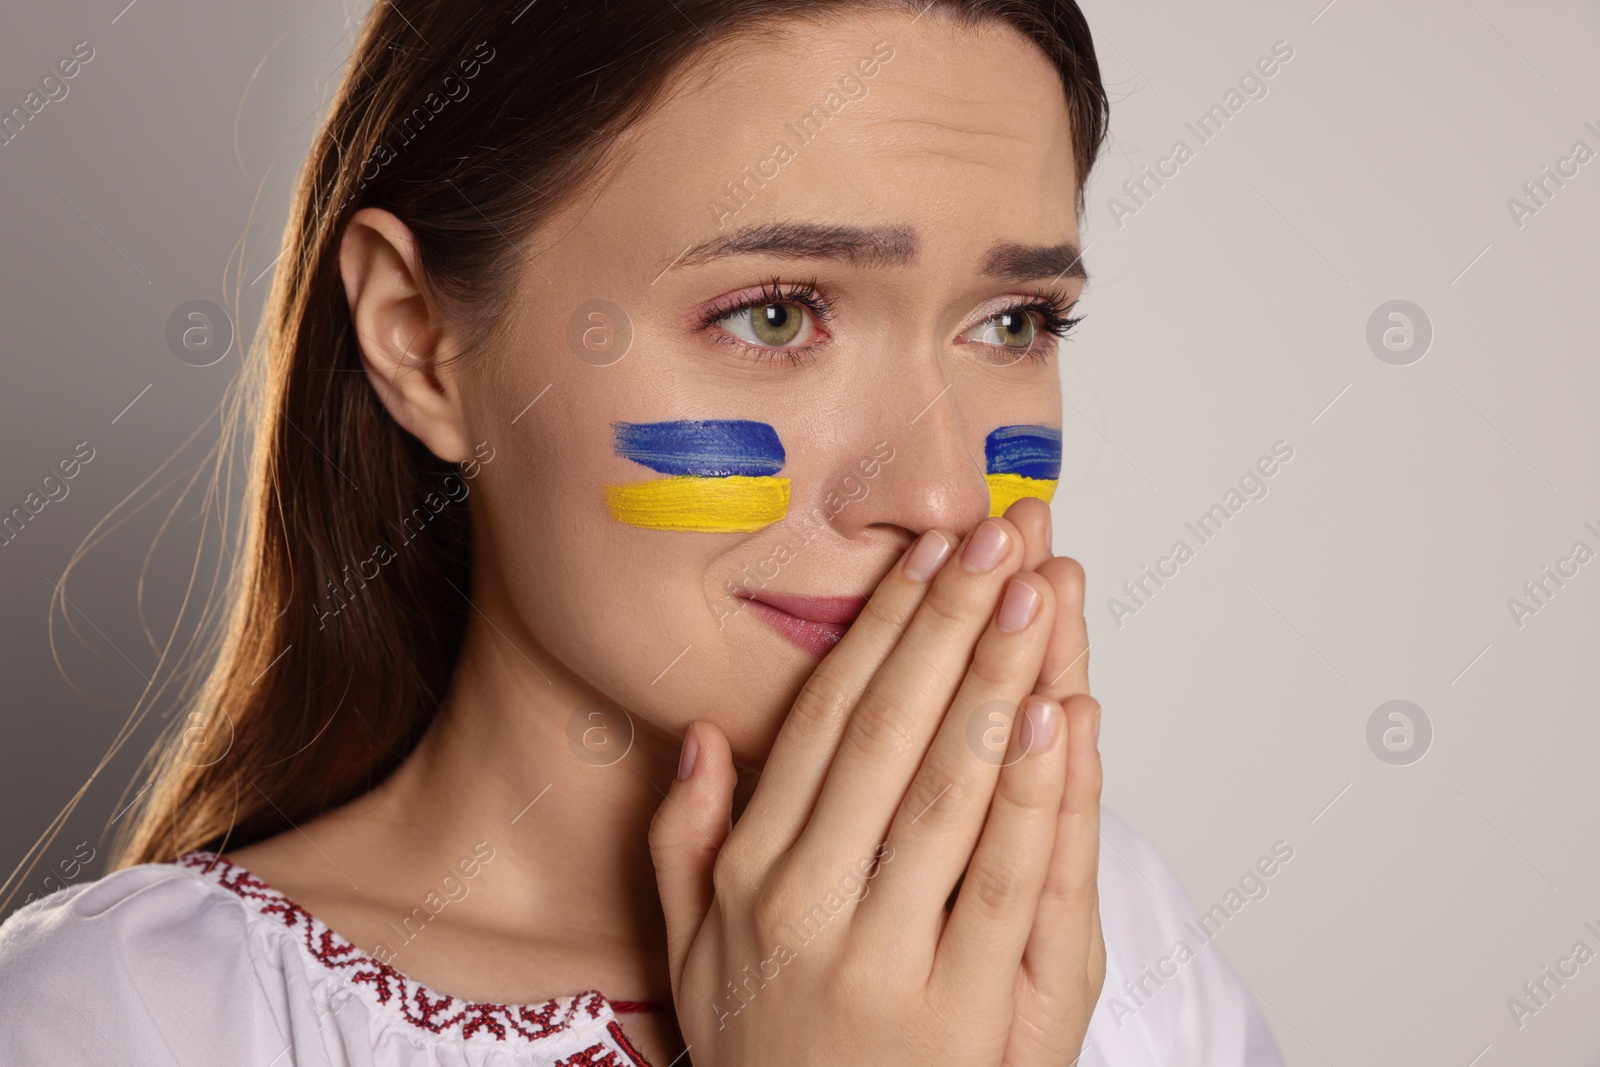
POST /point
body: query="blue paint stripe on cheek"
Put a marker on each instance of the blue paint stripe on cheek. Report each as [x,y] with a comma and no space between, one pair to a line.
[707,448]
[1031,451]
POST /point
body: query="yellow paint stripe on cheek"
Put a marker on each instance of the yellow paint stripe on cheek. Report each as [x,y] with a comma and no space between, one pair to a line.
[735,504]
[1007,489]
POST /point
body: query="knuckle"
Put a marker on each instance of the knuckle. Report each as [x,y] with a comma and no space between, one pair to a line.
[883,725]
[934,796]
[1063,893]
[661,837]
[1076,893]
[771,912]
[997,659]
[946,608]
[1075,889]
[890,614]
[822,705]
[864,965]
[993,889]
[1024,791]
[805,916]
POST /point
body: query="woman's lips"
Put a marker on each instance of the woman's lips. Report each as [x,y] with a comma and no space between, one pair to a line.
[814,623]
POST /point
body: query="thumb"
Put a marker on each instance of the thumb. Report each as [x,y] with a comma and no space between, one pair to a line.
[688,830]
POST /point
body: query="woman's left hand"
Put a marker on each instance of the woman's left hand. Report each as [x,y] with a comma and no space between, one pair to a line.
[1051,981]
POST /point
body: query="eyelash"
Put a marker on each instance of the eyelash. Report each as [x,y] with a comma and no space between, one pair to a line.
[1051,307]
[776,291]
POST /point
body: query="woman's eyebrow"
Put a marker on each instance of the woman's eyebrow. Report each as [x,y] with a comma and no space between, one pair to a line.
[882,246]
[866,246]
[1022,263]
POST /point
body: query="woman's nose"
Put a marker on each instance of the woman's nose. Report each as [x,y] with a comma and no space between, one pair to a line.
[921,472]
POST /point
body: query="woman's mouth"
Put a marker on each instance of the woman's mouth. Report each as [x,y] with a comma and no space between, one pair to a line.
[814,623]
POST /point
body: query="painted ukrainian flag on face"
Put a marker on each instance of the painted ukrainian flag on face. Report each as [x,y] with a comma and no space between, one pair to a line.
[720,475]
[1021,461]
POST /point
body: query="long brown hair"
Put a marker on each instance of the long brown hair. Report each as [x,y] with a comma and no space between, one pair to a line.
[470,123]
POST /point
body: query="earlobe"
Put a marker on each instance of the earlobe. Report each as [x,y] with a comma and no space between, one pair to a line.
[400,334]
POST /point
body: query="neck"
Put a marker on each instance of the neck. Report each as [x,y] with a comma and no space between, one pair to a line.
[562,785]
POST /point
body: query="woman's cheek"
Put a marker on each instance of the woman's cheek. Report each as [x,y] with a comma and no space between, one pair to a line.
[1019,461]
[718,476]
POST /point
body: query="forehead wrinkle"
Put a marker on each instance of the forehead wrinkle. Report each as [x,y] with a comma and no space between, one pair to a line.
[969,147]
[986,126]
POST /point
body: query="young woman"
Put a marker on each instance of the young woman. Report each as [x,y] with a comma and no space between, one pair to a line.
[646,638]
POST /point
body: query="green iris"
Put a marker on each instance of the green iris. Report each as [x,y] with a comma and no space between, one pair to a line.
[776,324]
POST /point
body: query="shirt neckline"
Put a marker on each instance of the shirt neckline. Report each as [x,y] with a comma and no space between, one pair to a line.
[405,1000]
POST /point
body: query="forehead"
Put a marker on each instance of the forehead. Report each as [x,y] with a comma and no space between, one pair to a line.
[960,131]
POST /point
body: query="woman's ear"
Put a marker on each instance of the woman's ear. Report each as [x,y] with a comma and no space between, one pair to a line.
[402,336]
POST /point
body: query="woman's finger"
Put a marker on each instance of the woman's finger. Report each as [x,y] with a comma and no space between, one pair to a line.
[943,813]
[1066,661]
[686,836]
[983,942]
[1064,962]
[798,762]
[1031,516]
[898,714]
[799,757]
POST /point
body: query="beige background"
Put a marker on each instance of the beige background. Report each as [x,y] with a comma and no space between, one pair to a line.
[1228,313]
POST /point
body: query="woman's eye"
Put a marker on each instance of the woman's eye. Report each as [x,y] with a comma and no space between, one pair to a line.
[777,325]
[1010,329]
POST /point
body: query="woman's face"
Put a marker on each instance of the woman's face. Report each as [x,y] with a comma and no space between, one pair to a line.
[690,470]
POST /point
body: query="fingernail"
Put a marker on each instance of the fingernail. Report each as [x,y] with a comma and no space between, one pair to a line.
[1043,717]
[986,549]
[1018,607]
[686,758]
[927,556]
[1097,727]
[1038,724]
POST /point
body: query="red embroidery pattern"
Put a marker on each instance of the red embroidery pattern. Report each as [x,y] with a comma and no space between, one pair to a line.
[627,1046]
[410,1001]
[593,1056]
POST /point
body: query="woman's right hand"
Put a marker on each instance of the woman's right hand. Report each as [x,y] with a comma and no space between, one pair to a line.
[816,930]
